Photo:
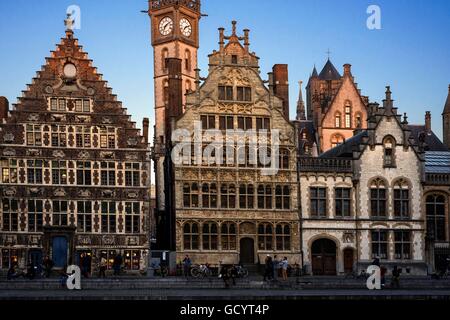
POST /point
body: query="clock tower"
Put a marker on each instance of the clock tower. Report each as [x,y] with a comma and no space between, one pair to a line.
[175,34]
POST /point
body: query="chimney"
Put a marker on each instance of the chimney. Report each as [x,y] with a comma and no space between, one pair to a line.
[174,107]
[271,83]
[246,39]
[347,69]
[4,108]
[428,122]
[281,85]
[145,125]
[221,39]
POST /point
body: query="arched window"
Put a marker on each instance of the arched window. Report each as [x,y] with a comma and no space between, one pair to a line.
[246,196]
[190,236]
[228,236]
[389,152]
[282,197]
[358,120]
[435,209]
[188,86]
[209,236]
[378,199]
[337,120]
[190,195]
[265,236]
[401,199]
[284,159]
[187,60]
[283,237]
[166,91]
[228,196]
[348,114]
[164,56]
[336,140]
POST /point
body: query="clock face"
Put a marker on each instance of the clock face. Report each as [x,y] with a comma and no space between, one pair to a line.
[166,26]
[185,27]
[70,71]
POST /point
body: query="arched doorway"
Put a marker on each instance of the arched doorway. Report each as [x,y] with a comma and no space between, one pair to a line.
[247,250]
[348,260]
[323,252]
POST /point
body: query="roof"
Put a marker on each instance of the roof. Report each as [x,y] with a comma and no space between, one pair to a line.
[314,73]
[447,103]
[437,162]
[432,142]
[306,126]
[345,150]
[329,72]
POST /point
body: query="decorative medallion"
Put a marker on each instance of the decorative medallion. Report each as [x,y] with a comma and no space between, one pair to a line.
[9,137]
[132,142]
[90,91]
[132,194]
[33,152]
[107,154]
[108,240]
[58,154]
[48,89]
[33,117]
[84,155]
[9,152]
[60,192]
[10,192]
[84,193]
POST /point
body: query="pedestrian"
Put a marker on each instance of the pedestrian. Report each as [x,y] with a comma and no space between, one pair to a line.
[187,265]
[395,278]
[103,265]
[13,273]
[234,274]
[376,261]
[284,267]
[383,271]
[31,271]
[225,275]
[117,264]
[48,266]
[275,268]
[268,268]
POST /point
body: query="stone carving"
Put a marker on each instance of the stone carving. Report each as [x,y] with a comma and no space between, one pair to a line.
[33,117]
[34,191]
[9,137]
[9,152]
[34,240]
[132,194]
[107,154]
[132,241]
[132,142]
[108,193]
[82,119]
[107,120]
[10,192]
[84,155]
[108,240]
[60,192]
[58,154]
[90,91]
[48,90]
[84,193]
[348,237]
[131,156]
[10,240]
[84,240]
[33,152]
[58,117]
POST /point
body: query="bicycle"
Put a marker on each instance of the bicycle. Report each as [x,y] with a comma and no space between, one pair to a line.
[241,272]
[355,275]
[201,271]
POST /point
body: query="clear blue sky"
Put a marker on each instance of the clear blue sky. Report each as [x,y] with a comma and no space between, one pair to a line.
[411,52]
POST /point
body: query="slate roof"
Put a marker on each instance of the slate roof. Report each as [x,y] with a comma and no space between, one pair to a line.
[345,150]
[432,142]
[437,162]
[329,72]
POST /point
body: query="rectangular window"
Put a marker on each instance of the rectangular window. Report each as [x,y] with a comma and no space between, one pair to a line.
[244,94]
[84,216]
[59,136]
[263,124]
[59,213]
[131,259]
[245,123]
[208,122]
[402,242]
[54,104]
[318,205]
[379,244]
[378,202]
[34,171]
[79,105]
[10,215]
[132,217]
[132,174]
[108,217]
[226,122]
[62,105]
[234,59]
[84,173]
[342,202]
[10,257]
[34,135]
[401,203]
[9,171]
[35,214]
[86,106]
[226,93]
[59,172]
[108,174]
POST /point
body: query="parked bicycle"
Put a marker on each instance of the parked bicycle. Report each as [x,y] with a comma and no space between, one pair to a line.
[355,275]
[201,271]
[241,271]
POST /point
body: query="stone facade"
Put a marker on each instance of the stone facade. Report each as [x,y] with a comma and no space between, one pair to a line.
[75,170]
[231,212]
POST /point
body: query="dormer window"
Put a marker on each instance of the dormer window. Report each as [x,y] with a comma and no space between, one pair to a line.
[389,154]
[234,59]
[337,120]
[226,93]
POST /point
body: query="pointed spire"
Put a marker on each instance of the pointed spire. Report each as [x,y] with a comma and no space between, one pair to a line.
[301,114]
[447,103]
[329,72]
[388,103]
[314,73]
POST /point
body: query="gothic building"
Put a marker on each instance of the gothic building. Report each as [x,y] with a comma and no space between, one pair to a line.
[74,169]
[335,106]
